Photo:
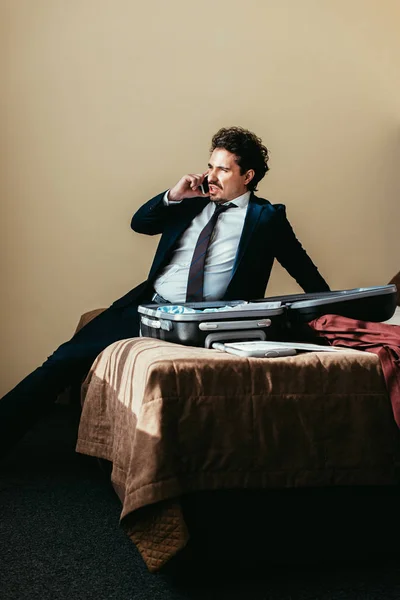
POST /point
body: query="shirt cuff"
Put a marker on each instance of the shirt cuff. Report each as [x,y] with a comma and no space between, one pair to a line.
[169,202]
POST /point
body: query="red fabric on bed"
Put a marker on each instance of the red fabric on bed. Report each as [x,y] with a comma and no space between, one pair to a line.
[378,338]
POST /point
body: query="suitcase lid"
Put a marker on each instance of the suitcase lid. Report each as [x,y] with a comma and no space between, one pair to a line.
[249,310]
[344,296]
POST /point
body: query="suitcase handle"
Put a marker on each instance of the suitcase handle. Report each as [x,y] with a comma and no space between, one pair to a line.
[157,323]
[233,325]
[238,336]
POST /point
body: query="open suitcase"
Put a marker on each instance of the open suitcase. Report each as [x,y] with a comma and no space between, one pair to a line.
[244,321]
[273,318]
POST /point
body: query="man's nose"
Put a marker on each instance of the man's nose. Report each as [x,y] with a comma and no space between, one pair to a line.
[212,176]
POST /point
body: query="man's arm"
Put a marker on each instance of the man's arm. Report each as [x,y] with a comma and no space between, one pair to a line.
[150,219]
[292,256]
[152,216]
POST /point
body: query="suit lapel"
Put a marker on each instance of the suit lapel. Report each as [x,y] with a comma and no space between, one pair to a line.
[252,216]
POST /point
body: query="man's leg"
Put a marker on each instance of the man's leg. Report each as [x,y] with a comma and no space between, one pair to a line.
[24,404]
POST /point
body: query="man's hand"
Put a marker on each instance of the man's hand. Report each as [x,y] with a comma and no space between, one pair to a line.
[187,187]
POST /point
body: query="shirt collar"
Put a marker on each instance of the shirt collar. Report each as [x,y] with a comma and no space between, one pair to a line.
[241,201]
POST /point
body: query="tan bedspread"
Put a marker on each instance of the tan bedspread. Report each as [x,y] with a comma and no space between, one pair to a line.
[174,419]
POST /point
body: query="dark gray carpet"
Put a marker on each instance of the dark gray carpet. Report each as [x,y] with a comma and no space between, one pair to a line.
[60,539]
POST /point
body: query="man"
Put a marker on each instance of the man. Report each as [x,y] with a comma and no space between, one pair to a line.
[216,245]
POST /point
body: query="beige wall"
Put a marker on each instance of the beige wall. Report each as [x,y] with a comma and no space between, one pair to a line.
[107,102]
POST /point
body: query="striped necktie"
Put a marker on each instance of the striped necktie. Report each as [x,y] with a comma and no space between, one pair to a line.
[196,271]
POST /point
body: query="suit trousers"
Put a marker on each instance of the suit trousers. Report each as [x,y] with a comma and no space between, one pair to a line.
[68,365]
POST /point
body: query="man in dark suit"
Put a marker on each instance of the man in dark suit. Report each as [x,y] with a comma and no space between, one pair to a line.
[215,245]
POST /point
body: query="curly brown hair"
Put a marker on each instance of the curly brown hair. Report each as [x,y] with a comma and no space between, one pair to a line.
[248,148]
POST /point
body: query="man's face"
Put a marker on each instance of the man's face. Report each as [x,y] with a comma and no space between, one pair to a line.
[224,177]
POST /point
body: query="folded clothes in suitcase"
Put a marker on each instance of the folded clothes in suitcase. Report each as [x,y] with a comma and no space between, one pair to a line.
[203,323]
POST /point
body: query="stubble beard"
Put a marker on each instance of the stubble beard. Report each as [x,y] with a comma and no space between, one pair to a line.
[218,200]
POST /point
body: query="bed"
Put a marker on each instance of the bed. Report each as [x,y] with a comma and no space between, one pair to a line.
[186,428]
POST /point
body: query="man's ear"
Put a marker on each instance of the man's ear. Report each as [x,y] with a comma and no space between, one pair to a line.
[249,176]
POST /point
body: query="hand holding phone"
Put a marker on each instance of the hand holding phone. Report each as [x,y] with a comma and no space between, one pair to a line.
[189,187]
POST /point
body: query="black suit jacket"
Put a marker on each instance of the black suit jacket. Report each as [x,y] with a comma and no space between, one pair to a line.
[266,235]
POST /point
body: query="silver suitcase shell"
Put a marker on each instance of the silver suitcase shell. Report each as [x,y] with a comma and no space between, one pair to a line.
[203,329]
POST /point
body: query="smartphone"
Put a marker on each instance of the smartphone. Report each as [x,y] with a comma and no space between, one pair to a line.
[204,186]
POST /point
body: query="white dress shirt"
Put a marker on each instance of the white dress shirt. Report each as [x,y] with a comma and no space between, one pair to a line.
[171,284]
